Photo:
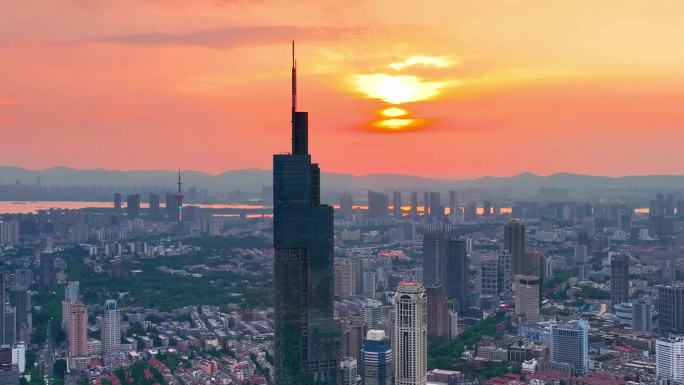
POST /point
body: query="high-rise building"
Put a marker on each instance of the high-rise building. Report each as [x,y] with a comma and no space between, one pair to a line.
[353,331]
[10,325]
[642,316]
[306,336]
[346,207]
[111,327]
[514,243]
[23,277]
[671,308]
[453,202]
[377,359]
[582,261]
[9,232]
[435,246]
[437,314]
[154,205]
[78,330]
[487,208]
[410,334]
[396,204]
[436,208]
[345,277]
[369,283]
[133,206]
[378,205]
[117,203]
[3,303]
[47,271]
[20,298]
[619,279]
[453,325]
[570,345]
[458,278]
[526,298]
[349,371]
[414,204]
[669,359]
[426,204]
[372,313]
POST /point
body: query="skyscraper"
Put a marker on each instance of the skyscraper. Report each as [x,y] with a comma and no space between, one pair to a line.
[133,206]
[179,199]
[570,345]
[437,314]
[669,362]
[445,263]
[410,334]
[514,243]
[396,204]
[306,337]
[117,203]
[377,359]
[619,279]
[414,204]
[349,371]
[671,308]
[458,280]
[378,205]
[20,298]
[345,277]
[154,205]
[111,327]
[78,330]
[346,207]
[435,246]
[526,298]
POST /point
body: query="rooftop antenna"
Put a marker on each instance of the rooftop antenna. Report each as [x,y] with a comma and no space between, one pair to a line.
[294,92]
[179,181]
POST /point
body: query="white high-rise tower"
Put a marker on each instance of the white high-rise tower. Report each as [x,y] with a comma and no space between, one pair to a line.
[111,327]
[410,334]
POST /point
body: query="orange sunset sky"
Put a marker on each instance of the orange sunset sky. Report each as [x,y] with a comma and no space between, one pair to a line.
[477,87]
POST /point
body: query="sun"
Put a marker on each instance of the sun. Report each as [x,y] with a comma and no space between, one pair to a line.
[397,89]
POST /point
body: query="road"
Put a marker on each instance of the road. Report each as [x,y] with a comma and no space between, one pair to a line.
[48,357]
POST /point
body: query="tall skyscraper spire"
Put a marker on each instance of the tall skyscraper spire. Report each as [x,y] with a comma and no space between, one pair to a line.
[306,336]
[179,181]
[300,120]
[179,198]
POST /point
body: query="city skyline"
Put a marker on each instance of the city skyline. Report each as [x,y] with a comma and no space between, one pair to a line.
[565,88]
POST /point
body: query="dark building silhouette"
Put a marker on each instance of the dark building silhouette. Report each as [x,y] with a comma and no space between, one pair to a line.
[306,337]
[154,206]
[171,206]
[346,207]
[117,202]
[445,263]
[133,206]
[396,203]
[378,205]
[514,243]
[453,202]
[671,308]
[619,279]
[486,208]
[457,273]
[414,204]
[436,208]
[437,314]
[47,271]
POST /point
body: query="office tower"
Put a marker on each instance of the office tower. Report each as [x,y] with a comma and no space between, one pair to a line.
[9,232]
[436,208]
[20,298]
[111,327]
[514,243]
[23,277]
[378,205]
[642,316]
[435,247]
[10,326]
[306,337]
[453,325]
[369,284]
[377,359]
[671,308]
[154,205]
[353,330]
[414,204]
[457,276]
[487,208]
[396,204]
[47,271]
[526,298]
[345,277]
[372,313]
[426,203]
[117,203]
[346,207]
[619,279]
[669,272]
[669,362]
[133,206]
[410,334]
[437,314]
[349,372]
[670,205]
[172,207]
[453,202]
[78,330]
[570,345]
[9,375]
[582,261]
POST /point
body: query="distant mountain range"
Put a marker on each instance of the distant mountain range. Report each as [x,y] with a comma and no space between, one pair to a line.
[252,180]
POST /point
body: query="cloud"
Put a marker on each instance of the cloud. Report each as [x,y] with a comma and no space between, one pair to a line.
[232,37]
[423,61]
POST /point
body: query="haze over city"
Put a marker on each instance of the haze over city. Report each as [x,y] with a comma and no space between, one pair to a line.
[467,88]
